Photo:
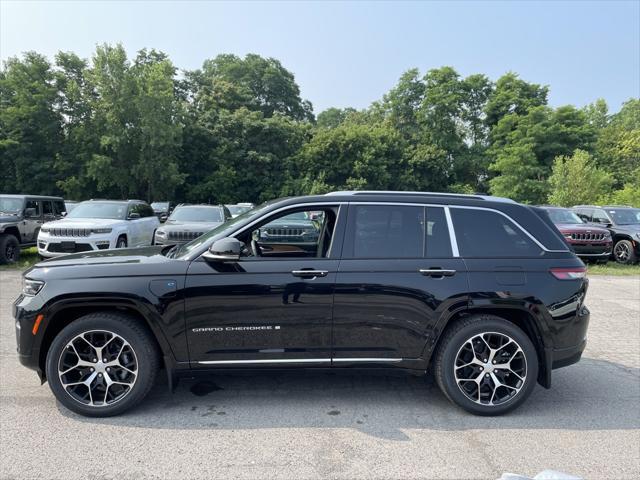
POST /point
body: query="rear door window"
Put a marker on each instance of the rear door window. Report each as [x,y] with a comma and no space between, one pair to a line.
[484,233]
[385,231]
[438,242]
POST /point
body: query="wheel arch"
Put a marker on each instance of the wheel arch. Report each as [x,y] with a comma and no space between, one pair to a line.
[13,231]
[59,316]
[520,317]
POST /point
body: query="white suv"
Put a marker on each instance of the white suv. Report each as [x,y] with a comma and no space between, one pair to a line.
[99,225]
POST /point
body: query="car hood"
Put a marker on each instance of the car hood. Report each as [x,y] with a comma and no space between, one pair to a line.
[9,218]
[85,223]
[633,228]
[189,226]
[578,228]
[146,261]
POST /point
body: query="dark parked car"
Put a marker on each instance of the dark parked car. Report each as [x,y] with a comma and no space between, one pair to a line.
[21,217]
[484,291]
[589,241]
[624,224]
[297,230]
[163,209]
[188,222]
[239,208]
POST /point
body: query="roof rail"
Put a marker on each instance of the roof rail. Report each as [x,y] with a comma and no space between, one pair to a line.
[431,194]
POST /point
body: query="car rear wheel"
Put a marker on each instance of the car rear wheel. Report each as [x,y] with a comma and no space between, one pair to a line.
[102,364]
[486,365]
[624,253]
[9,249]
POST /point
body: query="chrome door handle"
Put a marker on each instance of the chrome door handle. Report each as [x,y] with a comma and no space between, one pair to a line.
[437,272]
[309,273]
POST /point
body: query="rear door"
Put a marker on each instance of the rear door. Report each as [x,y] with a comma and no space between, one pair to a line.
[399,275]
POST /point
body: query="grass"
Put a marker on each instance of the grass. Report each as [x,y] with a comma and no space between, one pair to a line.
[30,256]
[613,268]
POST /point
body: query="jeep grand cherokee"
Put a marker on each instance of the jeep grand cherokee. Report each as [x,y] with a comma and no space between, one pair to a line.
[482,290]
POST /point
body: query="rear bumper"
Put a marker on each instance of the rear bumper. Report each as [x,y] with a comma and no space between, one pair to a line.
[555,358]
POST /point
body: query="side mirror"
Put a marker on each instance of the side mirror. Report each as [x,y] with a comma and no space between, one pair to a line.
[224,250]
[163,217]
[30,212]
[134,215]
[64,214]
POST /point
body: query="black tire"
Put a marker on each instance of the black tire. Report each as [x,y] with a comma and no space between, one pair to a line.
[121,242]
[9,249]
[624,252]
[451,344]
[141,343]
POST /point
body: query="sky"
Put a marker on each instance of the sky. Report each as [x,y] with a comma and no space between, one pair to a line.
[348,54]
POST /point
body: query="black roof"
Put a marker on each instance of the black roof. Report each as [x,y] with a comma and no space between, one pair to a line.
[40,197]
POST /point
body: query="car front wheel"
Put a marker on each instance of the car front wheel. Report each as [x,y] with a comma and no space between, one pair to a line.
[9,249]
[624,253]
[486,365]
[102,364]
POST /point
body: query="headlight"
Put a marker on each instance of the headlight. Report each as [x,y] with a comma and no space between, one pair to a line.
[45,229]
[31,287]
[101,230]
[161,233]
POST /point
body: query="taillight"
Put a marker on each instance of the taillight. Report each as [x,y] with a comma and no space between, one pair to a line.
[571,273]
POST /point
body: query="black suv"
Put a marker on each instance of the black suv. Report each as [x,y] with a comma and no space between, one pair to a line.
[21,217]
[482,290]
[624,224]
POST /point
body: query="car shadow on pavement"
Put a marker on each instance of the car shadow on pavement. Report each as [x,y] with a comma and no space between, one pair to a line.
[592,395]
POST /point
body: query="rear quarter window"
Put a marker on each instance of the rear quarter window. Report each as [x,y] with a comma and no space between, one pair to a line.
[484,233]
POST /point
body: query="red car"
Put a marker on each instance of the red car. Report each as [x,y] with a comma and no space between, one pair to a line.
[589,241]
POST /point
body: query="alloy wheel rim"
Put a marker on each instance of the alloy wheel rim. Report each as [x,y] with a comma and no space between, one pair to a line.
[98,368]
[490,368]
[622,251]
[9,252]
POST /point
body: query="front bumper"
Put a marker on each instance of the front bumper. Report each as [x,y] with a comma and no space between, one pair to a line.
[593,250]
[25,309]
[54,246]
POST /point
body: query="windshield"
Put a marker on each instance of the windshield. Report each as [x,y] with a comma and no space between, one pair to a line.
[160,205]
[70,206]
[117,211]
[220,231]
[10,205]
[197,214]
[238,209]
[625,216]
[562,216]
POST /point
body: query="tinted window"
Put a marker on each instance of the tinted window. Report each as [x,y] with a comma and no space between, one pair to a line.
[561,216]
[95,209]
[626,216]
[146,210]
[386,231]
[482,233]
[47,208]
[599,216]
[59,207]
[35,204]
[197,214]
[438,244]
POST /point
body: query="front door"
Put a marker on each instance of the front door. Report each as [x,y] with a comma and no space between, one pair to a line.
[398,278]
[274,306]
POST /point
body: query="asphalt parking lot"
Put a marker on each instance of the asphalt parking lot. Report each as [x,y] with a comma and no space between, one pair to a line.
[312,425]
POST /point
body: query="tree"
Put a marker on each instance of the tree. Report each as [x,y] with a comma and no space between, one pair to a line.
[332,117]
[30,133]
[522,177]
[618,145]
[577,180]
[513,96]
[255,83]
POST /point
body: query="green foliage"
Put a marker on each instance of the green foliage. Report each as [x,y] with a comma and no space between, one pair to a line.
[577,180]
[237,129]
